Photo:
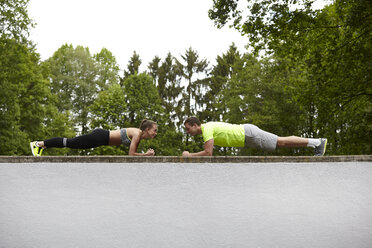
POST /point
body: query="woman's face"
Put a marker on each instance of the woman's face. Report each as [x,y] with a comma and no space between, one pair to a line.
[152,132]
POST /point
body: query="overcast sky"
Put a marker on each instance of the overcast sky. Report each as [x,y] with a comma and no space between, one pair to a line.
[148,27]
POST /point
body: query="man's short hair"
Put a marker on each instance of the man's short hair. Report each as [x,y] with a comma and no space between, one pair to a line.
[192,121]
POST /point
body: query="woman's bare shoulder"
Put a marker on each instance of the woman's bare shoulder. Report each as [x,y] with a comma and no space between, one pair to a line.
[132,131]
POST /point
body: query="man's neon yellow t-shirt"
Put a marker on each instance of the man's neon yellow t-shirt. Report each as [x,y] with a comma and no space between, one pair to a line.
[224,134]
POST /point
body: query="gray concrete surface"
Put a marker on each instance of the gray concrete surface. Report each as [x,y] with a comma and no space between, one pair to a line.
[322,205]
[177,159]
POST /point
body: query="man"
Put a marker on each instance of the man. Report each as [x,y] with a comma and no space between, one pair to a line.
[246,135]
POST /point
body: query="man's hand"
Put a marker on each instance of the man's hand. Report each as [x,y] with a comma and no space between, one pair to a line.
[208,150]
[185,154]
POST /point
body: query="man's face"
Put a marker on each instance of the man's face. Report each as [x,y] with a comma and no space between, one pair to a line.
[191,129]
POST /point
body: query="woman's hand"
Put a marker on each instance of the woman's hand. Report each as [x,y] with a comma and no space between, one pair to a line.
[150,152]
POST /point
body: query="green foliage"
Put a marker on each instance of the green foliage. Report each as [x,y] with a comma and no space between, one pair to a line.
[227,65]
[143,101]
[327,57]
[56,124]
[109,109]
[14,20]
[108,69]
[190,69]
[167,78]
[133,65]
[266,23]
[24,99]
[108,112]
[17,77]
[73,75]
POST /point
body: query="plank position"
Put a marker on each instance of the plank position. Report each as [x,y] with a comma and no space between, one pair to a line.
[100,137]
[245,135]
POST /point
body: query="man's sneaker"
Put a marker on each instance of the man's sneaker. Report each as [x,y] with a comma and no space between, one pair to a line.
[320,149]
[36,151]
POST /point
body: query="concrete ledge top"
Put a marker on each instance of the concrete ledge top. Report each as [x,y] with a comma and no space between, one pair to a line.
[177,159]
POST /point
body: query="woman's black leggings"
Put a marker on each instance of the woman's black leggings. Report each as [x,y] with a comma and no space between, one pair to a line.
[98,137]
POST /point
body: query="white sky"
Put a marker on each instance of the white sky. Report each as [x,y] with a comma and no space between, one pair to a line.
[148,27]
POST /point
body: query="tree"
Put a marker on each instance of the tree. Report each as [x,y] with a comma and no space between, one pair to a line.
[142,99]
[14,20]
[167,77]
[133,65]
[192,95]
[268,24]
[15,79]
[330,52]
[27,110]
[221,74]
[109,111]
[108,69]
[73,75]
[26,103]
[153,68]
[192,67]
[143,102]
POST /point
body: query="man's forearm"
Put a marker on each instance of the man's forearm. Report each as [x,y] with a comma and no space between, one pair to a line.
[201,153]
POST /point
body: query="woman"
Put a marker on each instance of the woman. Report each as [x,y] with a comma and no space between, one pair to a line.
[100,137]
